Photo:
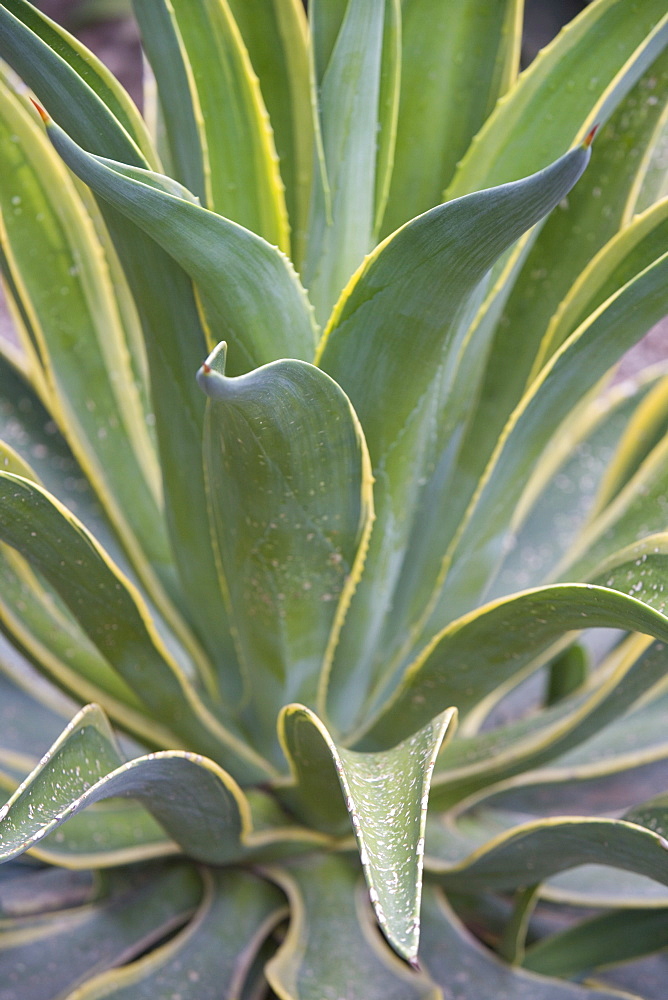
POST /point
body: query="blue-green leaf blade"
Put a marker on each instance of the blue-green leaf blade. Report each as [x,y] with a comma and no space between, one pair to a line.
[396,335]
[289,488]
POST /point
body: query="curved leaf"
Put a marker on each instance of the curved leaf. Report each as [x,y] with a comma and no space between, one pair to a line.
[289,487]
[474,762]
[212,955]
[478,652]
[50,955]
[112,614]
[227,262]
[396,335]
[196,802]
[451,954]
[530,852]
[386,796]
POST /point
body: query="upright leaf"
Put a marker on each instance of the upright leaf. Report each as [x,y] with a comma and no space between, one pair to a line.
[446,95]
[290,501]
[238,175]
[591,215]
[396,336]
[277,38]
[78,335]
[170,321]
[573,371]
[357,98]
[386,796]
[573,83]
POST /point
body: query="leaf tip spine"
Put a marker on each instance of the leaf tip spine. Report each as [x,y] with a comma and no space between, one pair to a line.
[415,964]
[41,112]
[589,138]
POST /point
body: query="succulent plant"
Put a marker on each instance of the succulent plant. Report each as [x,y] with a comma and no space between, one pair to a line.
[369,634]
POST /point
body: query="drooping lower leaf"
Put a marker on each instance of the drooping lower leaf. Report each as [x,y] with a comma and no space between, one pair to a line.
[451,954]
[332,947]
[196,802]
[212,954]
[43,956]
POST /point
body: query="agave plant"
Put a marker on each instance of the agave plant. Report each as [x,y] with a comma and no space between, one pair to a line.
[410,492]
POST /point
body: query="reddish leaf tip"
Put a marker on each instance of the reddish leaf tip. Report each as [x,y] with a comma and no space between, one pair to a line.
[41,112]
[206,368]
[414,964]
[589,138]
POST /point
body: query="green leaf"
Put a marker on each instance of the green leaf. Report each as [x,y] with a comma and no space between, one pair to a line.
[476,653]
[196,802]
[619,261]
[226,262]
[591,215]
[396,335]
[605,940]
[50,955]
[331,918]
[79,90]
[574,82]
[633,514]
[110,611]
[575,474]
[213,952]
[238,174]
[356,105]
[276,40]
[386,796]
[473,762]
[175,340]
[479,545]
[79,337]
[445,94]
[289,487]
[487,849]
[451,954]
